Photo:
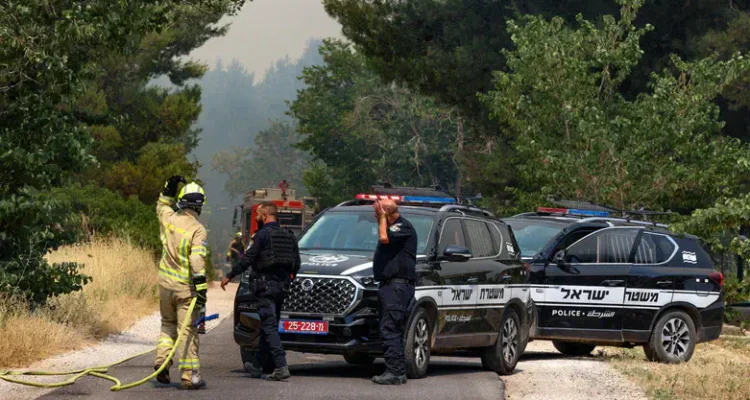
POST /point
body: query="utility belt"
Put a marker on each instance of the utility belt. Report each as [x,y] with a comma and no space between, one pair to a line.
[397,280]
[260,284]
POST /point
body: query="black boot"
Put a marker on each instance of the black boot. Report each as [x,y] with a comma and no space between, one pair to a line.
[389,379]
[279,374]
[255,371]
[163,376]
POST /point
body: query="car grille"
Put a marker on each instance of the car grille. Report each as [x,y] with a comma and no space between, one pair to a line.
[324,296]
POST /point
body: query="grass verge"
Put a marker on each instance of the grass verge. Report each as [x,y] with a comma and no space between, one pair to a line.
[123,289]
[718,370]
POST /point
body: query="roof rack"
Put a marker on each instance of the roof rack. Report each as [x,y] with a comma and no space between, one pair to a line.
[464,208]
[581,205]
[626,220]
[435,191]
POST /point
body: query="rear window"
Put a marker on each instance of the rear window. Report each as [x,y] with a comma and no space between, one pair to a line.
[654,249]
[480,239]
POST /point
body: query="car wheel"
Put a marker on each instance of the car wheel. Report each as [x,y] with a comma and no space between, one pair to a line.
[418,342]
[673,339]
[503,356]
[359,359]
[573,349]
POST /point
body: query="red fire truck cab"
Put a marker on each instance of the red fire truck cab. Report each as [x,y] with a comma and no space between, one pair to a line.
[292,214]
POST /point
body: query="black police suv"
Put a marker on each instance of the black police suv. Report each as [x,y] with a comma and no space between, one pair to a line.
[471,295]
[597,280]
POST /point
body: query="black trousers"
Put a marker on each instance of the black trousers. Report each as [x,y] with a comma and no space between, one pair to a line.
[269,311]
[394,298]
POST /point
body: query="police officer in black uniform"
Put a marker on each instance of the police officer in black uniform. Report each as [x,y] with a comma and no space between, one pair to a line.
[274,258]
[394,268]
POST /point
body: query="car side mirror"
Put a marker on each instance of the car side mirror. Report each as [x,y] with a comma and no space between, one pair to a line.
[456,253]
[559,260]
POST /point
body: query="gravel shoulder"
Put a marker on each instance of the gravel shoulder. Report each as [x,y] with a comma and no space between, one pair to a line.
[543,373]
[138,338]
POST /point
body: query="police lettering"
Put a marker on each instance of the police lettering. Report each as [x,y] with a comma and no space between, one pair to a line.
[566,313]
[461,294]
[491,294]
[649,297]
[575,294]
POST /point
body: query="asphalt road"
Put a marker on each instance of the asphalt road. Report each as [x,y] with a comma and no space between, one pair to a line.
[313,377]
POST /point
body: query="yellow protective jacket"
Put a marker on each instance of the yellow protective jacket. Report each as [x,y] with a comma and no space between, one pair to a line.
[184,246]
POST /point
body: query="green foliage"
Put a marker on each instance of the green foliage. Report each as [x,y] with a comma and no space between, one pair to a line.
[47,64]
[449,49]
[99,211]
[581,139]
[364,130]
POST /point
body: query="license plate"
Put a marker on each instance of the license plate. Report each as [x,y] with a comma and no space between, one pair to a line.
[305,327]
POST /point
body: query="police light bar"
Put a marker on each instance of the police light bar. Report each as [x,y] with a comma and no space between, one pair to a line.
[573,211]
[407,199]
[379,197]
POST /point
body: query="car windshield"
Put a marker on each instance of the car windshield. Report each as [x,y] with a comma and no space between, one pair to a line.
[356,231]
[533,234]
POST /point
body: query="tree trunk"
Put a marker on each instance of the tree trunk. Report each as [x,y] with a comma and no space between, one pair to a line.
[459,152]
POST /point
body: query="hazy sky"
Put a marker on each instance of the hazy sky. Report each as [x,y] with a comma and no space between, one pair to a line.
[266,30]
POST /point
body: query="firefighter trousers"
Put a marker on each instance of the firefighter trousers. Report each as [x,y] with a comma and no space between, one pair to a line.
[174,304]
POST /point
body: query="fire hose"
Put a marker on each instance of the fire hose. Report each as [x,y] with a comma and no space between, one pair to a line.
[101,371]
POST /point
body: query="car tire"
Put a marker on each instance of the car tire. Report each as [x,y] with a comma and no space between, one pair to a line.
[503,356]
[359,359]
[573,349]
[418,342]
[673,339]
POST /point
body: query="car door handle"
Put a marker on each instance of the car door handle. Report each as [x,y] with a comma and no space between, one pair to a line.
[664,284]
[613,282]
[472,280]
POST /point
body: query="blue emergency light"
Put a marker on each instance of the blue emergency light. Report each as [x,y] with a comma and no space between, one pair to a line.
[408,199]
[573,211]
[437,200]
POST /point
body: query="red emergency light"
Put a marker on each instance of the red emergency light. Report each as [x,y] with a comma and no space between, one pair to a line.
[379,197]
[552,210]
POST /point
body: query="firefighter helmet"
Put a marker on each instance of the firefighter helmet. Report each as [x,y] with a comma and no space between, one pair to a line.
[192,196]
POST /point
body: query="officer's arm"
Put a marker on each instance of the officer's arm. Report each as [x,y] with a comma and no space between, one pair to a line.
[383,229]
[249,258]
[199,253]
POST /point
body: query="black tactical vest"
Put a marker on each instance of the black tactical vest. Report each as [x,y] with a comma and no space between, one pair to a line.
[280,251]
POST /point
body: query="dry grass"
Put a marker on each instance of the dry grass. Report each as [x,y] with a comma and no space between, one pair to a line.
[123,289]
[718,370]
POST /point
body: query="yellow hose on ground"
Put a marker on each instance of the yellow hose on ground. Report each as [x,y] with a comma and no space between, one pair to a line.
[100,371]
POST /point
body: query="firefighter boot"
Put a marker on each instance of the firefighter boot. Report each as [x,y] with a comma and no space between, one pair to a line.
[163,376]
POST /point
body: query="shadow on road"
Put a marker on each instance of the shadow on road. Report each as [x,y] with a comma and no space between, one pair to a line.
[340,369]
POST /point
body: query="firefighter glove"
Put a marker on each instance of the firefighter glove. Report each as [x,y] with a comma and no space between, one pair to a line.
[201,289]
[170,187]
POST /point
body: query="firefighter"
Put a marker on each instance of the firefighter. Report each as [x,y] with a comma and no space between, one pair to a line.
[182,276]
[236,249]
[274,258]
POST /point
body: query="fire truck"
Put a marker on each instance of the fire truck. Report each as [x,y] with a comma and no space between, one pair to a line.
[293,213]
